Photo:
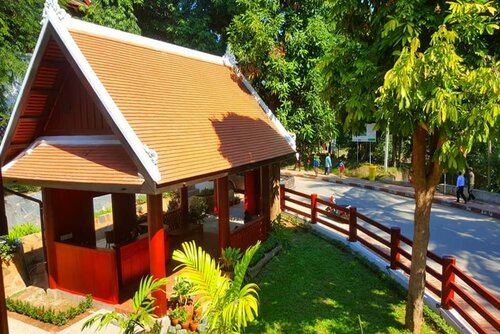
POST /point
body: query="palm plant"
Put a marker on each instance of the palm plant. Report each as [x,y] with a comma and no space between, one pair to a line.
[228,305]
[142,319]
[229,258]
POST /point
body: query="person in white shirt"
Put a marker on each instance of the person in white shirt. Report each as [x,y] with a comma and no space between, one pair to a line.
[460,187]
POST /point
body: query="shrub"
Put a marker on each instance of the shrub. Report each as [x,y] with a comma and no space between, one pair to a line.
[48,315]
[206,192]
[102,212]
[8,247]
[140,199]
[22,230]
[179,313]
[198,209]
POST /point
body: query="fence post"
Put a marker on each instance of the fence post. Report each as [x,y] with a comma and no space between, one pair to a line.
[314,206]
[448,277]
[395,244]
[282,197]
[353,228]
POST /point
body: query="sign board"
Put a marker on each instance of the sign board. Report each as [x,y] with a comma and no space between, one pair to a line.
[369,135]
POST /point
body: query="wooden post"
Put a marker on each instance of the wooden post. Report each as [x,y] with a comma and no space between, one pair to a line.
[395,244]
[216,199]
[265,185]
[157,249]
[124,216]
[49,219]
[282,197]
[4,325]
[314,206]
[353,229]
[223,196]
[447,293]
[250,192]
[274,183]
[184,206]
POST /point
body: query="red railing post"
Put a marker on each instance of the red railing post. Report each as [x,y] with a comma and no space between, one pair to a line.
[448,277]
[282,197]
[353,228]
[395,244]
[314,206]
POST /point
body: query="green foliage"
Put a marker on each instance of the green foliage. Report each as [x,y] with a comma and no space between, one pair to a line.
[19,28]
[8,247]
[179,313]
[103,212]
[198,209]
[278,45]
[228,304]
[450,87]
[229,257]
[142,316]
[197,24]
[182,289]
[140,199]
[58,318]
[206,192]
[22,188]
[22,230]
[117,14]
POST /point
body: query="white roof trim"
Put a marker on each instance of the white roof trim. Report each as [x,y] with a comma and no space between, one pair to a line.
[79,140]
[16,113]
[103,95]
[117,35]
[289,137]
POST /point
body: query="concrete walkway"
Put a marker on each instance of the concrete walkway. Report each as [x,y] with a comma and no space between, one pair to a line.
[486,209]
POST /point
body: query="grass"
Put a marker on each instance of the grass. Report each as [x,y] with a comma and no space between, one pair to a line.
[319,286]
[22,230]
[102,212]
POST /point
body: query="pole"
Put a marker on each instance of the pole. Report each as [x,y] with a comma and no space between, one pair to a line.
[488,176]
[370,153]
[4,326]
[357,152]
[386,149]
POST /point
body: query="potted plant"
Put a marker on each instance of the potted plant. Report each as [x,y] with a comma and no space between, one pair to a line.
[228,259]
[182,289]
[178,315]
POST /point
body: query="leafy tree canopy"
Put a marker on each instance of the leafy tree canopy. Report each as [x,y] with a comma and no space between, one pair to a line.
[197,24]
[278,45]
[19,28]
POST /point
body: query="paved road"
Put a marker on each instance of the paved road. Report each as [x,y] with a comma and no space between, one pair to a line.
[474,239]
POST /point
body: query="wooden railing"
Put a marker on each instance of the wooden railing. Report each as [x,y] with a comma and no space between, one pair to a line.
[248,234]
[386,243]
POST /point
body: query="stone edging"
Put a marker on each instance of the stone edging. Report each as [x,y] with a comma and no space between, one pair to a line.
[255,270]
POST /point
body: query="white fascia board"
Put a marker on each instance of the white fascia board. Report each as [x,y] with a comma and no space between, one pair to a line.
[30,74]
[289,137]
[118,35]
[110,106]
[80,140]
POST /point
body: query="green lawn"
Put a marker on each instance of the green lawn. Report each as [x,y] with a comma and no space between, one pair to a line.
[318,286]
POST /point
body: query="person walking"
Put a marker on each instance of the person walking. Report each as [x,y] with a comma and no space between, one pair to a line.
[460,187]
[470,185]
[328,164]
[341,168]
[316,163]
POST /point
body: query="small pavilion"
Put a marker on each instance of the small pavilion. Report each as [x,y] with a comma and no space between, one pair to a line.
[102,111]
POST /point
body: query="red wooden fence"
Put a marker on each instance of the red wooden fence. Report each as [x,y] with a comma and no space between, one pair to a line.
[248,234]
[386,243]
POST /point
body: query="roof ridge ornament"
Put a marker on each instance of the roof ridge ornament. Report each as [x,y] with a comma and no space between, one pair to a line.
[153,155]
[53,6]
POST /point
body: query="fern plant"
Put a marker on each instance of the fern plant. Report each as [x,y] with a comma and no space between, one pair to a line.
[228,304]
[142,319]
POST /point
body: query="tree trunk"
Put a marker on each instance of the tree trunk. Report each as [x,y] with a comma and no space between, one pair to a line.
[426,176]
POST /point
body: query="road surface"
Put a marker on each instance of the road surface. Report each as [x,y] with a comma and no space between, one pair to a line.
[472,238]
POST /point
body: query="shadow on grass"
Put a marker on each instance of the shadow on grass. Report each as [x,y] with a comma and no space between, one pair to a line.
[317,288]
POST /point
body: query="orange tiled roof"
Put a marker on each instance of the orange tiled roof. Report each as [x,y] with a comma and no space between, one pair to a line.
[87,164]
[195,114]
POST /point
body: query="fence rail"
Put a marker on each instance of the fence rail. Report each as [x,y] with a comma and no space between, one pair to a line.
[387,245]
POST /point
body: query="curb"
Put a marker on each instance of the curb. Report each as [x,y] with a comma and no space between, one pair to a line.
[440,201]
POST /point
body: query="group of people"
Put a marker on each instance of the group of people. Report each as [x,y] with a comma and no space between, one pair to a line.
[328,165]
[461,185]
